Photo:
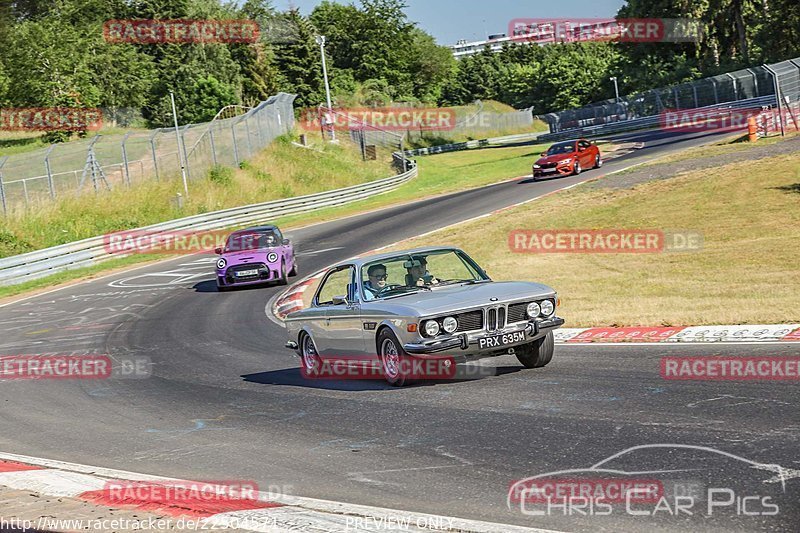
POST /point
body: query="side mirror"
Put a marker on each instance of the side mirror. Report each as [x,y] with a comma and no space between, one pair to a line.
[582,149]
[286,242]
[340,300]
[218,250]
[544,154]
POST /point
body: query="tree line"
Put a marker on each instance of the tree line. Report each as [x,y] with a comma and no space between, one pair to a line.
[53,53]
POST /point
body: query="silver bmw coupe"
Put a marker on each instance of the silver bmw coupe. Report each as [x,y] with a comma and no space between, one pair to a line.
[402,307]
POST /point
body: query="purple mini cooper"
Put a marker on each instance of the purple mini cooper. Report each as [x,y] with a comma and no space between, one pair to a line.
[255,255]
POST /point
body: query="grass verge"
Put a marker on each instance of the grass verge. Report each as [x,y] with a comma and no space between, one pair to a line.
[745,273]
[281,171]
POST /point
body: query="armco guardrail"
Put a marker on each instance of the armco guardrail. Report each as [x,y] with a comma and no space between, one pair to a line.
[41,263]
[647,122]
[470,145]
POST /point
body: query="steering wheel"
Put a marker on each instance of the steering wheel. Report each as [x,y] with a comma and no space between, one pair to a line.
[389,287]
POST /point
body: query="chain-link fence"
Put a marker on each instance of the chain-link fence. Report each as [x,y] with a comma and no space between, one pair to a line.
[122,160]
[477,124]
[373,142]
[754,87]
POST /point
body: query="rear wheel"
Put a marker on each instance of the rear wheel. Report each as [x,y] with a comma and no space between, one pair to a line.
[538,353]
[394,361]
[577,168]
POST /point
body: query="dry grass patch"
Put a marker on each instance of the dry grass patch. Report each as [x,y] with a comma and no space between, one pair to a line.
[746,272]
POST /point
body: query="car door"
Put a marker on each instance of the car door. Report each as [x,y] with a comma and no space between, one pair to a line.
[342,329]
[586,154]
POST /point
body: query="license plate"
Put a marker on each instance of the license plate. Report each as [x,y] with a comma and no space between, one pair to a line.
[547,170]
[246,273]
[498,341]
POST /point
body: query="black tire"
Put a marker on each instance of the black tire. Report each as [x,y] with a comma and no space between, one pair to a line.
[310,361]
[577,168]
[284,279]
[394,361]
[598,161]
[222,288]
[538,353]
[293,271]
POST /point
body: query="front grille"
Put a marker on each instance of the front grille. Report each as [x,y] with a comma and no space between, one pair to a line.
[263,272]
[491,319]
[501,318]
[517,312]
[469,321]
[548,165]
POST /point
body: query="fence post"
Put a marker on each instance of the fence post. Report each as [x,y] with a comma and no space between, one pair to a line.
[183,145]
[49,174]
[2,187]
[235,144]
[125,160]
[777,97]
[755,81]
[25,192]
[735,88]
[213,146]
[153,148]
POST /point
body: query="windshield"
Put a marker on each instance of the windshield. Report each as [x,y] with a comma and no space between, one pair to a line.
[239,242]
[561,148]
[410,273]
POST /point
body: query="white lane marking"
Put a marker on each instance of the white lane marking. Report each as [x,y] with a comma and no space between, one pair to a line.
[51,482]
[317,252]
[306,509]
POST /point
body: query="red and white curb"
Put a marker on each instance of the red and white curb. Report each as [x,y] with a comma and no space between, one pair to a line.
[685,334]
[266,512]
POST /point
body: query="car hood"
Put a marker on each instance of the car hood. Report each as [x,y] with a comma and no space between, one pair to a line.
[554,158]
[247,255]
[460,297]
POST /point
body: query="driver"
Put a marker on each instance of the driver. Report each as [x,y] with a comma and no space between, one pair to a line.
[376,282]
[418,272]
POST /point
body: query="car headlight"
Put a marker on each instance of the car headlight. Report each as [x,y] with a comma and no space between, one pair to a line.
[221,264]
[431,328]
[533,309]
[547,307]
[537,166]
[272,257]
[450,324]
[565,161]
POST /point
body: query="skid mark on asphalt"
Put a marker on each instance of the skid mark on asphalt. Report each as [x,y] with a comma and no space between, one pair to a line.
[200,424]
[730,397]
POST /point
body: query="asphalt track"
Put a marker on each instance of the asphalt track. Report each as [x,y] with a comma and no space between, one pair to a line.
[225,400]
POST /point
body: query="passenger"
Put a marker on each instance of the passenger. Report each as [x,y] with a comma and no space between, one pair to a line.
[376,282]
[418,274]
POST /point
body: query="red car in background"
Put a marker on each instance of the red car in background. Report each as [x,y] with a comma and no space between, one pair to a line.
[568,158]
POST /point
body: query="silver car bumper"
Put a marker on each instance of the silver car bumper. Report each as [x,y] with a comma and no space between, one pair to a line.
[468,341]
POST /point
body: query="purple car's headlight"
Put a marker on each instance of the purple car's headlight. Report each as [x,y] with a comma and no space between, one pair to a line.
[221,264]
[272,257]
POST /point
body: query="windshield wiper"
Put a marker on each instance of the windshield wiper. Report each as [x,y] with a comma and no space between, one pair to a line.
[406,290]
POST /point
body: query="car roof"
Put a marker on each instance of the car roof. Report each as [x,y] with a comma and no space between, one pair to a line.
[362,260]
[255,229]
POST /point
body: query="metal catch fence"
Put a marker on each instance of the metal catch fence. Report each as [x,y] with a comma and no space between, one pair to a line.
[121,160]
[756,87]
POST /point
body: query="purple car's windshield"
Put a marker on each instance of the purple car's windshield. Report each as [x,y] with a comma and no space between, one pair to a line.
[239,242]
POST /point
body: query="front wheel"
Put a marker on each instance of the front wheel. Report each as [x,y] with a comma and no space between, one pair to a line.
[293,271]
[598,161]
[577,168]
[538,353]
[309,358]
[394,360]
[284,279]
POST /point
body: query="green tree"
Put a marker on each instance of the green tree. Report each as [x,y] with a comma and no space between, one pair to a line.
[300,62]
